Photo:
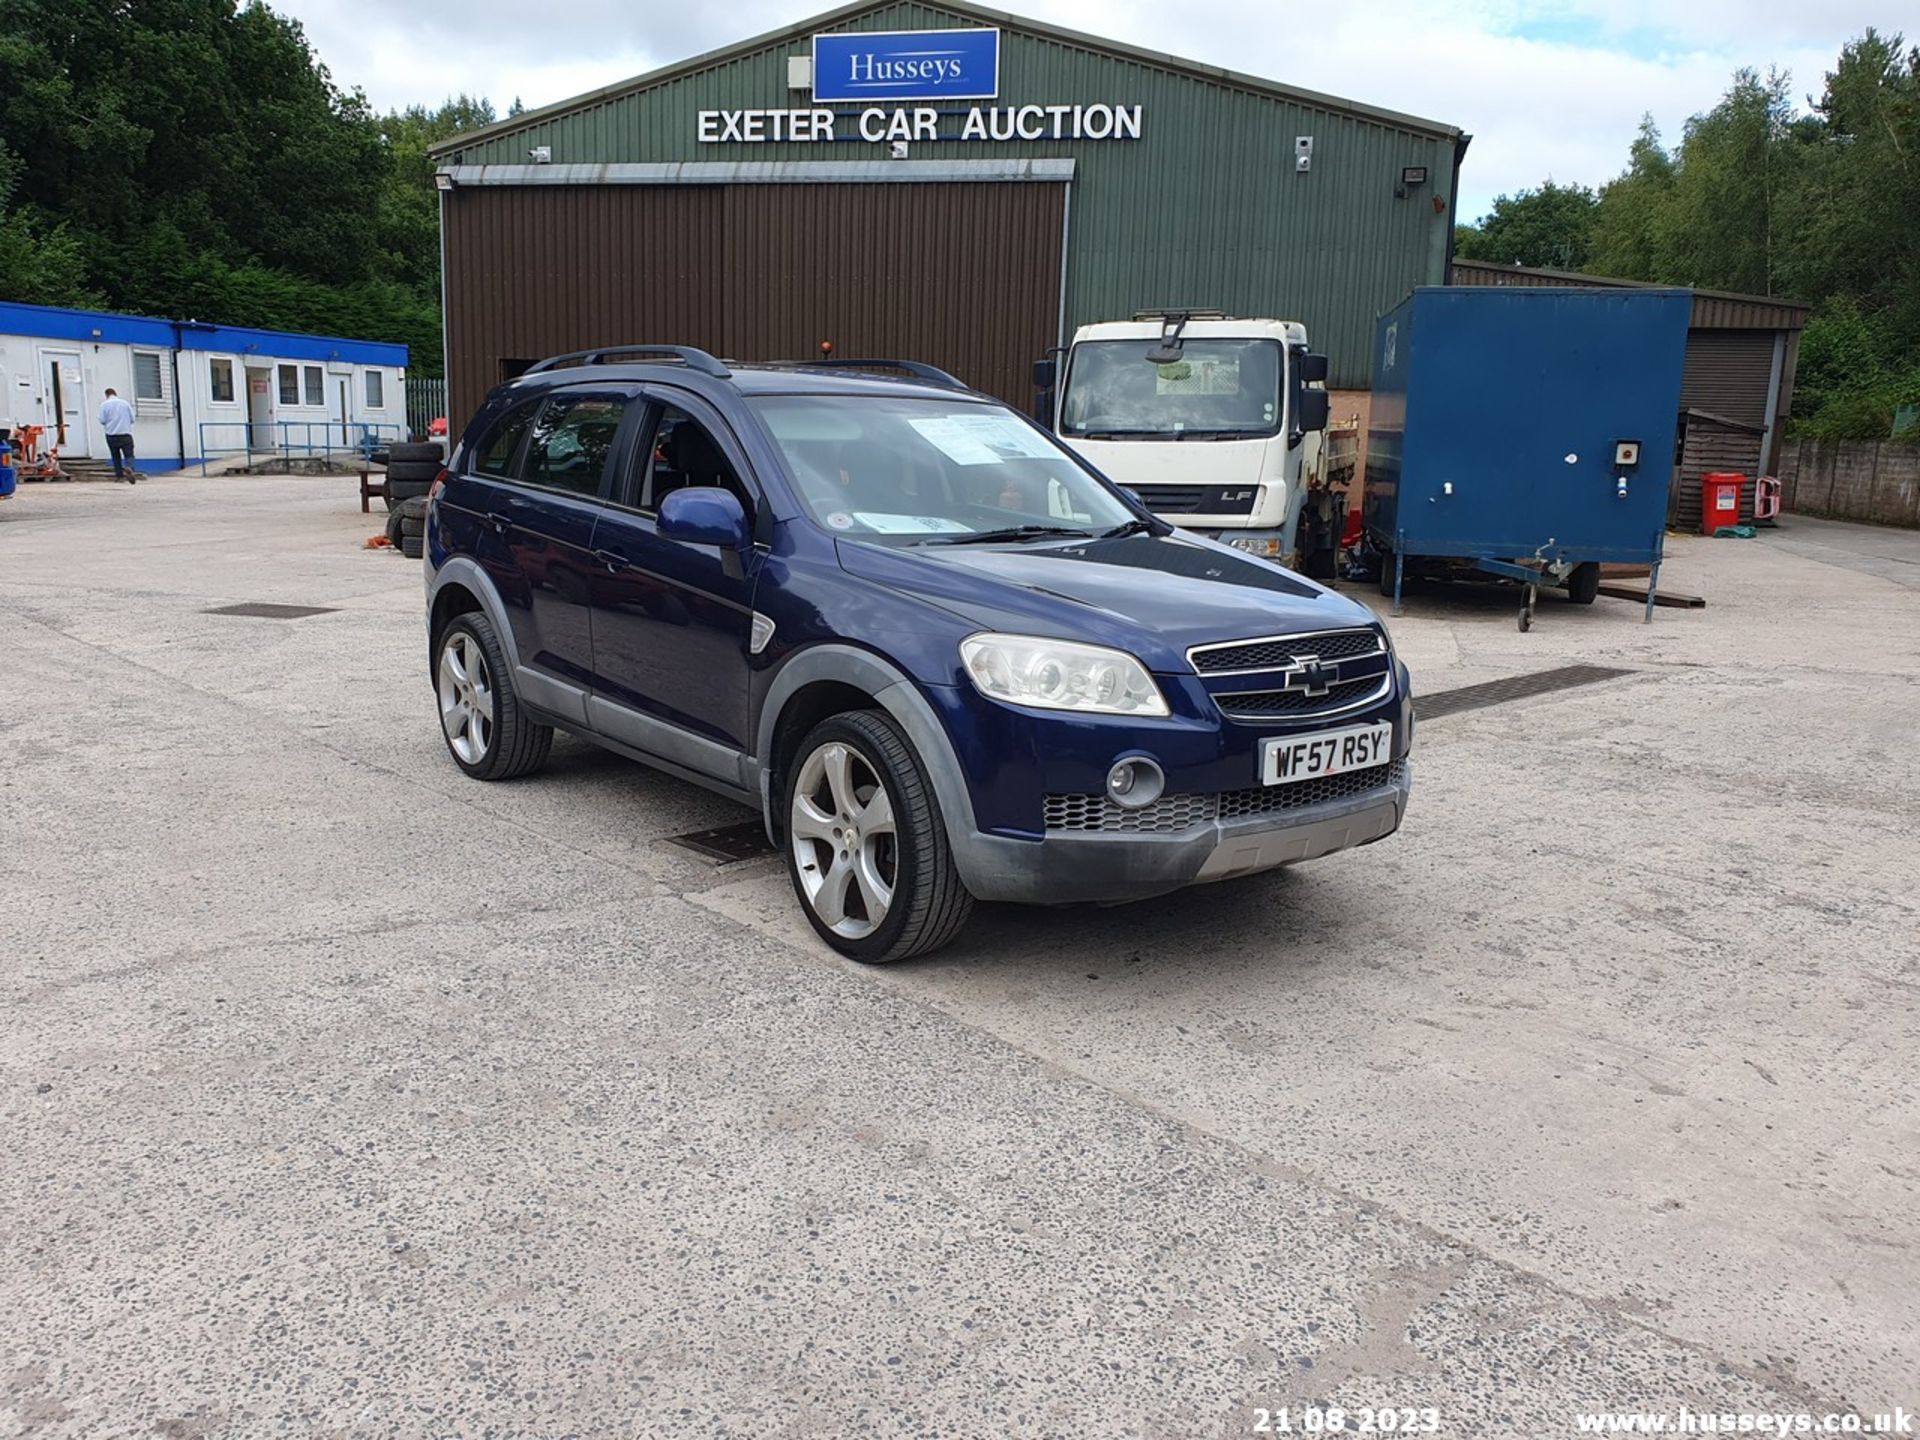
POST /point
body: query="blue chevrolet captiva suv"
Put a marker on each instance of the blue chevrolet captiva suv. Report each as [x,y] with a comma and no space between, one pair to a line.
[943,657]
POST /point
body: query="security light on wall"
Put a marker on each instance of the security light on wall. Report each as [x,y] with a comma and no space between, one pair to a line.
[442,180]
[1412,177]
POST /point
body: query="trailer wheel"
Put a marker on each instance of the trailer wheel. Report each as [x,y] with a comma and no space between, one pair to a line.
[1583,585]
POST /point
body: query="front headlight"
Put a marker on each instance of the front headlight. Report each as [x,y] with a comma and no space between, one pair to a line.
[1060,675]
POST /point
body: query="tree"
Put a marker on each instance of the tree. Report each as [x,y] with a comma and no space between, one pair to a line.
[193,158]
[1548,228]
[1629,218]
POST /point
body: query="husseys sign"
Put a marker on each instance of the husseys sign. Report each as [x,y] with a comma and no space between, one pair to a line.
[907,65]
[922,65]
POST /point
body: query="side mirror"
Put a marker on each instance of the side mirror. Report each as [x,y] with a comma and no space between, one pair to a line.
[1311,368]
[704,515]
[1043,374]
[1313,409]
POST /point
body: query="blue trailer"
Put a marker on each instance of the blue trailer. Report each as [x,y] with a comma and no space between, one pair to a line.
[1523,432]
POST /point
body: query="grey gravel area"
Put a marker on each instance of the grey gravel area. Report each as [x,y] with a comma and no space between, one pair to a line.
[343,1096]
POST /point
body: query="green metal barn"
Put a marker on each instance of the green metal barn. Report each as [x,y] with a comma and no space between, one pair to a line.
[938,182]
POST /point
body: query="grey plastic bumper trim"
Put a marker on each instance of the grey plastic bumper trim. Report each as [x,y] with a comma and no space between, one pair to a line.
[1071,868]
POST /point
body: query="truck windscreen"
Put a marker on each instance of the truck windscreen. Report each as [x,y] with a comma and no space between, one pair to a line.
[1217,389]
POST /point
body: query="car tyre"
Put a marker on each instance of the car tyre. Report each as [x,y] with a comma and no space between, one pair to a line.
[413,546]
[425,470]
[394,518]
[403,490]
[893,892]
[1583,585]
[414,450]
[488,731]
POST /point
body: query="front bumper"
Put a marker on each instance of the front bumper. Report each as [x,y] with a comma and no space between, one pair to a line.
[1073,867]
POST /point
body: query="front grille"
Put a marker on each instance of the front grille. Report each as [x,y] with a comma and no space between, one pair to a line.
[1265,799]
[1172,499]
[1258,704]
[1275,653]
[1173,814]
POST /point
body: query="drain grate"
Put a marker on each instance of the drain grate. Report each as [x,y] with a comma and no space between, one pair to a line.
[728,844]
[261,610]
[1514,687]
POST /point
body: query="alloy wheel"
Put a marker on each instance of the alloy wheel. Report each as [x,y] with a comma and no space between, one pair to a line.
[466,697]
[845,846]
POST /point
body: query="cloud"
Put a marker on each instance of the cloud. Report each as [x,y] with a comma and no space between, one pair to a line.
[1546,87]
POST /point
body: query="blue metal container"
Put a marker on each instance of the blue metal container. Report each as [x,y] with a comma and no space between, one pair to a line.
[1527,432]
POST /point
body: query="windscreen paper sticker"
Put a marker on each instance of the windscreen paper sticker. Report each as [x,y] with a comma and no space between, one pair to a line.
[909,524]
[982,439]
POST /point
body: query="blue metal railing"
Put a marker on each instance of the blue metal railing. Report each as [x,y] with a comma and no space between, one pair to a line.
[287,439]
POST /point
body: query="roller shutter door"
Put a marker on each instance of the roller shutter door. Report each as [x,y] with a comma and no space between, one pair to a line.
[1727,373]
[964,275]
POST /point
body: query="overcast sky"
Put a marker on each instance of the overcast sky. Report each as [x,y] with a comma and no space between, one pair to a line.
[1546,87]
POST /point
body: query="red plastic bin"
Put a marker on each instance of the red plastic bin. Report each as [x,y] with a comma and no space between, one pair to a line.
[1719,501]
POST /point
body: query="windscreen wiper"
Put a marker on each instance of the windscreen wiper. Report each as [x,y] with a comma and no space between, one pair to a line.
[1012,532]
[1126,527]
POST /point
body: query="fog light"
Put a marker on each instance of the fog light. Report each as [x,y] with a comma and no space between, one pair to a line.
[1135,781]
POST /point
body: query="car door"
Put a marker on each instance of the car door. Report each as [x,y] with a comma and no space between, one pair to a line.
[542,514]
[671,620]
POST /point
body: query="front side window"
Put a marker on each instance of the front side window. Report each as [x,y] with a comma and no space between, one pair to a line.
[220,381]
[376,390]
[149,376]
[907,470]
[1216,390]
[289,385]
[316,386]
[684,454]
[570,442]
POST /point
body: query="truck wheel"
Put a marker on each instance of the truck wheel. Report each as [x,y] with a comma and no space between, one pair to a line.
[488,732]
[867,849]
[1583,585]
[1386,576]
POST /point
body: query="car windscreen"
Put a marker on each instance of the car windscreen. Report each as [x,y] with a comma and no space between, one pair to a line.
[907,470]
[1217,389]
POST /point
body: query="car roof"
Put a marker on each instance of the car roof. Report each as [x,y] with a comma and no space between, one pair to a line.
[756,378]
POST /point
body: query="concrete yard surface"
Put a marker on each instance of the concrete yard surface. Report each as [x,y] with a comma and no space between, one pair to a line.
[345,1096]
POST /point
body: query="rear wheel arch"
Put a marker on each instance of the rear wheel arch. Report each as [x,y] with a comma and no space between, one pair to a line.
[451,601]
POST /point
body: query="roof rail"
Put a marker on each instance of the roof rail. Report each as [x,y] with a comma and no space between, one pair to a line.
[917,368]
[692,358]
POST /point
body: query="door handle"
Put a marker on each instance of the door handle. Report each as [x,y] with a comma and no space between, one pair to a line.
[499,522]
[613,560]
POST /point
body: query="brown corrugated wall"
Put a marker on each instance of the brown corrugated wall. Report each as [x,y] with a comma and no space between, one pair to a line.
[965,276]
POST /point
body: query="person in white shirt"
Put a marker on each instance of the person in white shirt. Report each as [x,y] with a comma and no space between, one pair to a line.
[116,418]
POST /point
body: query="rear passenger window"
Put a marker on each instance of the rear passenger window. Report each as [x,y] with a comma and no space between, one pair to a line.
[494,455]
[571,441]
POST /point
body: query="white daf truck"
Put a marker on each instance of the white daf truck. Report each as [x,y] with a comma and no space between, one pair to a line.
[1215,423]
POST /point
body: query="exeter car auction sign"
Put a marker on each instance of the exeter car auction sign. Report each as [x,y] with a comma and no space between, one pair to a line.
[922,65]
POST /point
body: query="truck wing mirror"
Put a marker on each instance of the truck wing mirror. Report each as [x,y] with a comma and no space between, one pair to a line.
[1043,374]
[1315,407]
[1312,368]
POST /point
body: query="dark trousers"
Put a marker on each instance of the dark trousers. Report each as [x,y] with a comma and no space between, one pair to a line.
[121,448]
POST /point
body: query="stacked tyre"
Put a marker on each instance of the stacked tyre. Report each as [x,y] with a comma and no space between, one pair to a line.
[411,468]
[407,526]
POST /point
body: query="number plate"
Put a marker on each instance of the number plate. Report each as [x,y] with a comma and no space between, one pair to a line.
[1330,752]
